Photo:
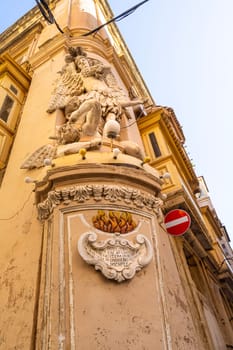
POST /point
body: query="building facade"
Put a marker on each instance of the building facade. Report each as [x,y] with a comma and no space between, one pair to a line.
[86,261]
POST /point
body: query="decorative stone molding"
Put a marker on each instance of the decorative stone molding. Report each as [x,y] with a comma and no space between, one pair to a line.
[116,257]
[110,193]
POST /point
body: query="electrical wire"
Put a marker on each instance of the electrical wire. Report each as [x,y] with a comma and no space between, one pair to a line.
[20,210]
[49,17]
[47,13]
[127,126]
[117,18]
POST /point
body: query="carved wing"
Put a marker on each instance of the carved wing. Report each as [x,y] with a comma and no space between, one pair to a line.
[36,159]
[69,84]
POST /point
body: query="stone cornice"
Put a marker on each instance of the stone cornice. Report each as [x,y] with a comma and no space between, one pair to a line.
[213,219]
[173,120]
[27,35]
[126,173]
[180,148]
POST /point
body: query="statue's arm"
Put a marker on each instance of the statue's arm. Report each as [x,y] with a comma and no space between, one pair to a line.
[130,103]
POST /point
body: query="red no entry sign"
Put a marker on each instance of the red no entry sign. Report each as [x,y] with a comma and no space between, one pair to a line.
[177,222]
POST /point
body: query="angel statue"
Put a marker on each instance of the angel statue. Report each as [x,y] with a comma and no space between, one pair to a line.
[86,95]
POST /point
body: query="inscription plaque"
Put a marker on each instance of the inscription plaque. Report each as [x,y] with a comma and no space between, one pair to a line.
[116,257]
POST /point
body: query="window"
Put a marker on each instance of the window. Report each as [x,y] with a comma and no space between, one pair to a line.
[154,144]
[13,89]
[6,108]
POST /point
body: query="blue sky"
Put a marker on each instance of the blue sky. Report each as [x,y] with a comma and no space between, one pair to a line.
[184,52]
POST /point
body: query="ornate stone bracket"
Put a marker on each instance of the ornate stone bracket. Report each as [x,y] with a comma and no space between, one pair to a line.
[110,193]
[117,258]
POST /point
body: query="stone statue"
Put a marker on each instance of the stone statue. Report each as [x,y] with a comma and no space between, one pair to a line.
[87,95]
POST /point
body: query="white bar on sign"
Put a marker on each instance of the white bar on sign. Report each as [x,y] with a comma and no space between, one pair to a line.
[176,222]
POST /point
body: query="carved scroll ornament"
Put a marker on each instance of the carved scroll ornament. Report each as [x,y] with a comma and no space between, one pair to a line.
[116,257]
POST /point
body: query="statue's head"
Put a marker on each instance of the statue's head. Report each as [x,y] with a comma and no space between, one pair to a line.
[81,62]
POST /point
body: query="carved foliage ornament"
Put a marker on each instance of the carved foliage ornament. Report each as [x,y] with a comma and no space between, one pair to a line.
[117,258]
[80,194]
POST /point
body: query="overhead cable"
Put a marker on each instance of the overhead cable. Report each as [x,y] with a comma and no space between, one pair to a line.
[117,18]
[49,17]
[47,13]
